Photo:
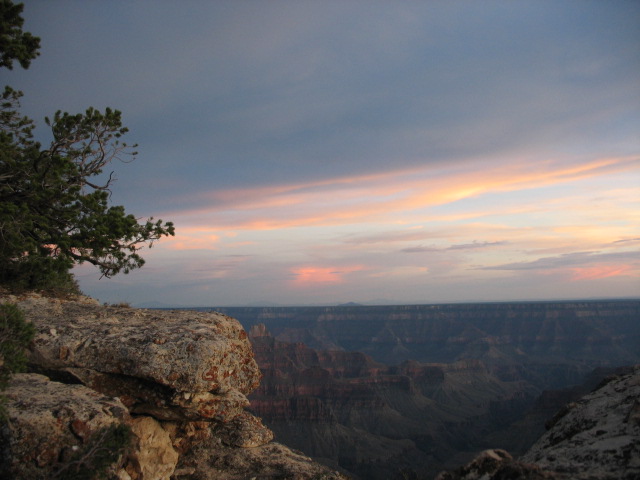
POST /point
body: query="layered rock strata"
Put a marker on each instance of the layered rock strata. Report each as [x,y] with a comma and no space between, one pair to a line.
[374,421]
[178,380]
[586,334]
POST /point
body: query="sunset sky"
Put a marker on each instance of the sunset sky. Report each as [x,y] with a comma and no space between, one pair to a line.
[322,152]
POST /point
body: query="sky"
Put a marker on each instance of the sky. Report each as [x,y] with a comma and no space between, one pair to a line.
[324,152]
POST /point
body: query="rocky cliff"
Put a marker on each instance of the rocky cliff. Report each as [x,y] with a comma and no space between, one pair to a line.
[178,380]
[596,437]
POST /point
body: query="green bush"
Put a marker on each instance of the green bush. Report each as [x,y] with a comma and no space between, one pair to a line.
[15,335]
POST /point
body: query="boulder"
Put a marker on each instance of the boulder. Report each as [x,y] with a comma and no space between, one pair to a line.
[170,364]
[497,464]
[155,457]
[244,431]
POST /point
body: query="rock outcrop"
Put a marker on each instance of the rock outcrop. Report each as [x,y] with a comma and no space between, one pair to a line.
[178,380]
[172,365]
[596,437]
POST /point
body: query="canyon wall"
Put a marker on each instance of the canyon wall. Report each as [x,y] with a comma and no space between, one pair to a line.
[435,384]
[378,421]
[575,336]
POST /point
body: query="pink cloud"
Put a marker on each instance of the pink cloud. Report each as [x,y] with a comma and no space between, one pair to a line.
[311,275]
[192,238]
[600,271]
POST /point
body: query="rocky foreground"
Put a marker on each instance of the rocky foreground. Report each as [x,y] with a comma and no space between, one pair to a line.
[179,380]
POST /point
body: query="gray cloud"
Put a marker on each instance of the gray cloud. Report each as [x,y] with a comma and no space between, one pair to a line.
[245,93]
[463,246]
[627,241]
[569,260]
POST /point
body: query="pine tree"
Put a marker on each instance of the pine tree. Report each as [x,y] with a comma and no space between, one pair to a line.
[54,207]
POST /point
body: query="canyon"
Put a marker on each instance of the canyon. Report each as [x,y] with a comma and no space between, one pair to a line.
[538,389]
[407,391]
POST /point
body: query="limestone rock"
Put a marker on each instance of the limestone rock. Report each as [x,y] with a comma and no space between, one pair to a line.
[48,422]
[244,431]
[155,459]
[598,436]
[498,464]
[142,397]
[171,364]
[270,461]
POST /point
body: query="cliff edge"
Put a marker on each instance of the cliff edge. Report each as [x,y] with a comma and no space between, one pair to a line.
[177,379]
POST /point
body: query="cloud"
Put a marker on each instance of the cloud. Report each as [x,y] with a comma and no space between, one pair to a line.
[402,271]
[382,197]
[305,276]
[323,141]
[475,245]
[192,238]
[627,241]
[604,271]
[575,259]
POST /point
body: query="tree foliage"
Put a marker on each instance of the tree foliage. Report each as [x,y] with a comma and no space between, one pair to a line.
[14,43]
[54,202]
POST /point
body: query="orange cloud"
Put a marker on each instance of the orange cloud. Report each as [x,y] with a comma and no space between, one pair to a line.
[386,197]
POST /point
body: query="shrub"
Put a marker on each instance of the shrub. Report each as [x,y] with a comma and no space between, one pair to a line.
[105,449]
[15,335]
